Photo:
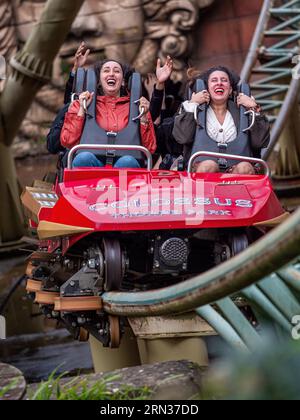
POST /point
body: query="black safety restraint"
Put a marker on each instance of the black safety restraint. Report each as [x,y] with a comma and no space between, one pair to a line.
[130,135]
[240,146]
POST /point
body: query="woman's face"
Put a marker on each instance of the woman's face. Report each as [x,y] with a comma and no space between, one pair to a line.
[111,78]
[219,87]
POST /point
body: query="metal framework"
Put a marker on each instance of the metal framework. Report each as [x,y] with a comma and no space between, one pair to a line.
[273,69]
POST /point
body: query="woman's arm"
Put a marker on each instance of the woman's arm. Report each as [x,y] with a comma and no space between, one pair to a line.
[79,60]
[184,128]
[185,124]
[53,137]
[69,89]
[148,133]
[260,133]
[156,103]
[73,126]
[163,73]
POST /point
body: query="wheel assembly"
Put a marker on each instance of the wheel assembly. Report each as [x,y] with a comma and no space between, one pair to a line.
[114,264]
[239,242]
[114,331]
[83,335]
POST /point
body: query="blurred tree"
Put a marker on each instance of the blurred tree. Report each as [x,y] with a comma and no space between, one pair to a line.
[30,69]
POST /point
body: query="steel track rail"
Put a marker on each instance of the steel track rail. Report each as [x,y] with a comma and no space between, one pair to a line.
[269,64]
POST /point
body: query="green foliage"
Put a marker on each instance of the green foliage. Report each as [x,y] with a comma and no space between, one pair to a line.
[84,389]
[270,373]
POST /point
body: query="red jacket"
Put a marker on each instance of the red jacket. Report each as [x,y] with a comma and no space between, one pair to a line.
[112,115]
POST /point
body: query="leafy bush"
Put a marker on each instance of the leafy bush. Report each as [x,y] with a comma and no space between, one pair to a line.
[270,373]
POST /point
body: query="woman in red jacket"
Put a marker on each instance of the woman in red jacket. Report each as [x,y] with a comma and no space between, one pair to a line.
[112,114]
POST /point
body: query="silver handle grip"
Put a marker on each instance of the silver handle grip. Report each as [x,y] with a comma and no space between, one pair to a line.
[253,115]
[73,97]
[140,115]
[85,106]
[230,157]
[109,147]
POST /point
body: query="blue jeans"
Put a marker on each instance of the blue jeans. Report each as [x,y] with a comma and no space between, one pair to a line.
[88,159]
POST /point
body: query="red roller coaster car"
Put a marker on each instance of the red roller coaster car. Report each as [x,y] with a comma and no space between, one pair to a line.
[104,229]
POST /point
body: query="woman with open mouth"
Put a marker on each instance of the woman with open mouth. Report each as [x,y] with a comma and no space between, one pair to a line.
[112,112]
[222,103]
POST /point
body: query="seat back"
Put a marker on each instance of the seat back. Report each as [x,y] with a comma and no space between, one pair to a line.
[130,135]
[203,142]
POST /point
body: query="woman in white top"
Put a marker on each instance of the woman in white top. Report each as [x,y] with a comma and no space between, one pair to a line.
[220,125]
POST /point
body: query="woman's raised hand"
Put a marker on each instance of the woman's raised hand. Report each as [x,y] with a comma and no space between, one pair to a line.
[150,83]
[85,96]
[81,56]
[201,97]
[144,103]
[163,73]
[246,101]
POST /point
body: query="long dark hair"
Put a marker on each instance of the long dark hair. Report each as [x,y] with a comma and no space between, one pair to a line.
[127,73]
[194,74]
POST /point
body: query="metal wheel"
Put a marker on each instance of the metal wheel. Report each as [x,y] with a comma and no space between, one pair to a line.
[113,264]
[114,331]
[239,243]
[83,335]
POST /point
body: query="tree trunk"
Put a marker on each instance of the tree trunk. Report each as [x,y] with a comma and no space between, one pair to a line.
[31,68]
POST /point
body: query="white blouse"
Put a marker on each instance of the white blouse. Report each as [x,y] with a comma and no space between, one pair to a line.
[221,133]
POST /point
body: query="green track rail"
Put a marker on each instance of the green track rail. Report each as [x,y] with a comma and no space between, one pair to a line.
[267,275]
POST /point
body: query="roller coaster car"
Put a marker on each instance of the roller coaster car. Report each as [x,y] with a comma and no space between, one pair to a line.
[107,229]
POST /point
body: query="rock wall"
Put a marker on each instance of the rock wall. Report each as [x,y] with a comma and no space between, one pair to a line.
[225,32]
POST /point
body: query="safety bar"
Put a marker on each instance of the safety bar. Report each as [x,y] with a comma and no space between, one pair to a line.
[229,157]
[110,147]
